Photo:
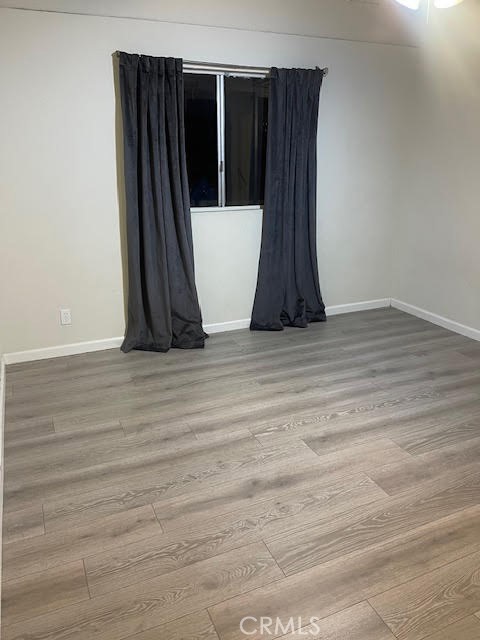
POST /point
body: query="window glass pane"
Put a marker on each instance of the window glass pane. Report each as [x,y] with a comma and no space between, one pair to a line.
[201,138]
[246,116]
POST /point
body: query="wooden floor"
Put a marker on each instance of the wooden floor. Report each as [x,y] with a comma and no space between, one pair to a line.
[329,473]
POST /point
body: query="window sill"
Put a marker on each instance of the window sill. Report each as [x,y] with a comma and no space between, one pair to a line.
[251,207]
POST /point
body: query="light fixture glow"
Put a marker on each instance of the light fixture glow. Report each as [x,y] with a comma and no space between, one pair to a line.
[410,4]
[446,4]
[439,4]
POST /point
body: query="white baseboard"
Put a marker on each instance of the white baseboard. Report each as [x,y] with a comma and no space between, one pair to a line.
[114,343]
[217,327]
[331,311]
[233,325]
[62,350]
[357,306]
[441,321]
[100,345]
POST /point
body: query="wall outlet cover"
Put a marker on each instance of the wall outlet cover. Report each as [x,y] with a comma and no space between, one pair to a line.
[65,316]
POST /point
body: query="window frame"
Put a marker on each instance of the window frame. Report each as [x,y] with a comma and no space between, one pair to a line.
[220,74]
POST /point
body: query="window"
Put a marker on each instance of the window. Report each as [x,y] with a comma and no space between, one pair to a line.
[201,139]
[225,133]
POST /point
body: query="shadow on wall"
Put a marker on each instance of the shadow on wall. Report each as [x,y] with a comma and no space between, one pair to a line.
[122,204]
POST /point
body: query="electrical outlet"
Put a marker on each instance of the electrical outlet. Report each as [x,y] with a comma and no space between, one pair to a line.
[65,316]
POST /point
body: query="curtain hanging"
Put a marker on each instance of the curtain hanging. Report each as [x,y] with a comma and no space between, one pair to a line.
[163,308]
[288,289]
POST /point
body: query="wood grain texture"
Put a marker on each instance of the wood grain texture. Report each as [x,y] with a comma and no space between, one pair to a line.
[267,482]
[466,629]
[325,589]
[302,473]
[313,544]
[161,471]
[430,467]
[26,523]
[53,549]
[206,466]
[195,626]
[151,603]
[359,622]
[433,601]
[25,429]
[78,455]
[140,561]
[38,593]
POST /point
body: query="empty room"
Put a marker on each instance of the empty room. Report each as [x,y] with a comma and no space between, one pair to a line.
[240,319]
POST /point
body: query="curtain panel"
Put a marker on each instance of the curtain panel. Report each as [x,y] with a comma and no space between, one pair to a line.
[163,308]
[288,289]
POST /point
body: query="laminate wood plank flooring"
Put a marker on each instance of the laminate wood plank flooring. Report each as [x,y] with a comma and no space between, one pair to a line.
[34,594]
[432,601]
[54,549]
[434,466]
[237,495]
[195,626]
[466,629]
[326,479]
[137,489]
[332,586]
[359,622]
[25,523]
[315,544]
[144,605]
[203,538]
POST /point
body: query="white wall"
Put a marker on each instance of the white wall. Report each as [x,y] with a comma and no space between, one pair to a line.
[437,237]
[363,20]
[59,226]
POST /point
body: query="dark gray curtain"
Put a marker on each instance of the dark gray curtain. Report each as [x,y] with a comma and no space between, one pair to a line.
[163,309]
[288,289]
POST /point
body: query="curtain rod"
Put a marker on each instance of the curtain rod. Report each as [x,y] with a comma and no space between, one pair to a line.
[194,65]
[214,66]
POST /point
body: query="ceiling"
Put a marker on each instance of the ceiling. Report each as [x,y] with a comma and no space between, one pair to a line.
[381,21]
